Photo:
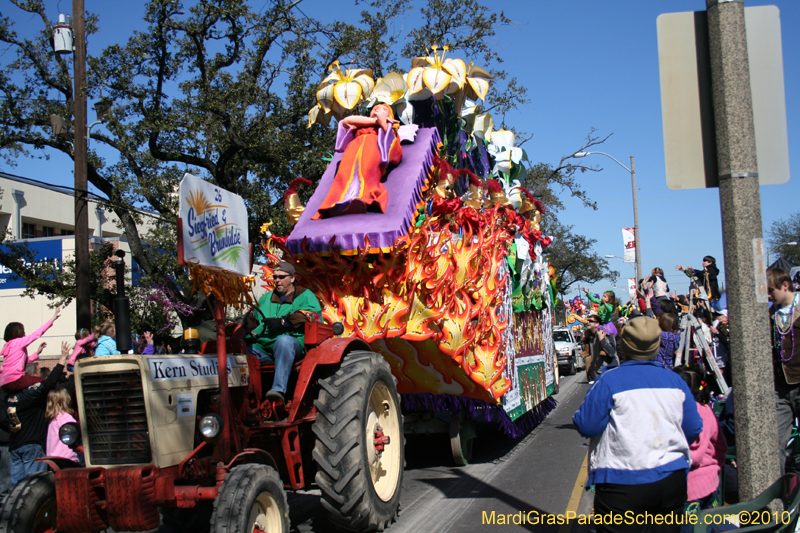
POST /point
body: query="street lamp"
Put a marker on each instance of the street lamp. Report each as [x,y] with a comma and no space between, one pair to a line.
[793,243]
[623,260]
[618,257]
[632,171]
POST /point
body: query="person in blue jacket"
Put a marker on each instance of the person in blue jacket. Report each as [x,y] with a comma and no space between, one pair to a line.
[107,343]
[641,419]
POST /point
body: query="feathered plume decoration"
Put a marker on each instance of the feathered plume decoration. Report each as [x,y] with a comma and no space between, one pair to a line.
[291,200]
[497,196]
[474,196]
[527,203]
[494,186]
[295,185]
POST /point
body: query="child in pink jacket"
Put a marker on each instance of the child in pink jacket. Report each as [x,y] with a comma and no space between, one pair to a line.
[83,347]
[59,412]
[15,355]
[707,452]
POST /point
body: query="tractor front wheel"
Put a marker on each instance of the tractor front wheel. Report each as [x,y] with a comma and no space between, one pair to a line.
[359,449]
[31,506]
[251,500]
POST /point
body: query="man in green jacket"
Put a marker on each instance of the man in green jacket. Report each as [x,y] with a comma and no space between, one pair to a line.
[284,311]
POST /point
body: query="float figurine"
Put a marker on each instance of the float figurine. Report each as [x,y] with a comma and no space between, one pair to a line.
[370,145]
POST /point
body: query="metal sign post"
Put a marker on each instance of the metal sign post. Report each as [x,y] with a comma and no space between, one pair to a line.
[737,167]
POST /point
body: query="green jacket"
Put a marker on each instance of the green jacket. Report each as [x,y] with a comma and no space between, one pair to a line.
[300,307]
[604,311]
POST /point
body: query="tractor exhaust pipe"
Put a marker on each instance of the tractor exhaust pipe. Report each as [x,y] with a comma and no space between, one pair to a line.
[122,307]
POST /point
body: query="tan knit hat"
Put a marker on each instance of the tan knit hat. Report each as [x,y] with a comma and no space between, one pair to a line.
[640,338]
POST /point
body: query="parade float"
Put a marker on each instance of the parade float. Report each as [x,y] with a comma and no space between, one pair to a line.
[426,255]
[421,241]
[577,313]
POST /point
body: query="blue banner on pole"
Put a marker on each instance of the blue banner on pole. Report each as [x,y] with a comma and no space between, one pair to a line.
[44,252]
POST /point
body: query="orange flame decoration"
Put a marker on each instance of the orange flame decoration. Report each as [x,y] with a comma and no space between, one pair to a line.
[431,306]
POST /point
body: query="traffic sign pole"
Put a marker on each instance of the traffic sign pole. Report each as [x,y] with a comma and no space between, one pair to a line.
[737,166]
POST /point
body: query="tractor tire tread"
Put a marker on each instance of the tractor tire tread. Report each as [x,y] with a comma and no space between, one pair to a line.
[328,442]
[24,495]
[345,377]
[323,410]
[343,475]
[236,493]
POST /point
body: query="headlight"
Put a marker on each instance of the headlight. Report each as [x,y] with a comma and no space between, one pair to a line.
[211,425]
[564,350]
[69,434]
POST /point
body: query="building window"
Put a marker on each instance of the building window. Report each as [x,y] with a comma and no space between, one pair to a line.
[48,231]
[67,232]
[28,231]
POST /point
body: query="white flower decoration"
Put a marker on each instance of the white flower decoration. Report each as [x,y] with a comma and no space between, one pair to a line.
[501,146]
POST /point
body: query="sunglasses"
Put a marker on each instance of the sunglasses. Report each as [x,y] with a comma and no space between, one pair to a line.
[281,277]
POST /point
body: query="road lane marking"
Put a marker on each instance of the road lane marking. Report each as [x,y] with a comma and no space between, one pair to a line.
[577,491]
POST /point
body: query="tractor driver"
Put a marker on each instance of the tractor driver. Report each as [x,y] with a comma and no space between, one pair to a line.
[277,331]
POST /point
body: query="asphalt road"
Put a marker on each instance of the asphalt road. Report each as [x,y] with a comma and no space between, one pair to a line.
[537,476]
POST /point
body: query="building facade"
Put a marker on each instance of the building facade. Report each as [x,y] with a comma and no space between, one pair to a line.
[43,215]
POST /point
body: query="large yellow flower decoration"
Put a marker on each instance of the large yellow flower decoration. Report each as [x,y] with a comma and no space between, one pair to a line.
[393,90]
[390,89]
[480,125]
[346,88]
[438,74]
[340,92]
[477,82]
[314,116]
[476,86]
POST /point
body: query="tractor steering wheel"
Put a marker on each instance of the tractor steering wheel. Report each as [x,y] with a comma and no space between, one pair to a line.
[260,320]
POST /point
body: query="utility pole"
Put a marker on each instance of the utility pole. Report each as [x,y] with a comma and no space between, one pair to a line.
[636,242]
[754,403]
[82,292]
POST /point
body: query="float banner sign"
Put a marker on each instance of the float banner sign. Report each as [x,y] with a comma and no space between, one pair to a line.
[214,226]
[632,288]
[629,242]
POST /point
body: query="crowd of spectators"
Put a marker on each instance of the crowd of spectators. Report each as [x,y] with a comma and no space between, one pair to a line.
[654,299]
[35,403]
[648,412]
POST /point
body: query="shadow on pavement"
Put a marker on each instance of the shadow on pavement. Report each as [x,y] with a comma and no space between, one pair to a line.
[463,485]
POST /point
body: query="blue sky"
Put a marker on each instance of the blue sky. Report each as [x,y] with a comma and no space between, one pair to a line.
[587,64]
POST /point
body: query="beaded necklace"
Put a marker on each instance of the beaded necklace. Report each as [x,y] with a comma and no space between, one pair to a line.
[781,330]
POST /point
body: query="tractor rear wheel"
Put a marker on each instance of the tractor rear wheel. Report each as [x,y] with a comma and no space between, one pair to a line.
[31,506]
[359,449]
[251,500]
